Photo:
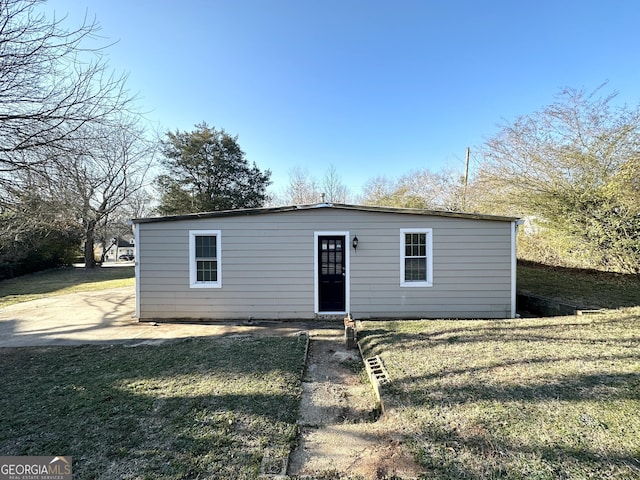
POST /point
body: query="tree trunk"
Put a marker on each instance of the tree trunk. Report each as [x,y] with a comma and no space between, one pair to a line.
[105,250]
[89,257]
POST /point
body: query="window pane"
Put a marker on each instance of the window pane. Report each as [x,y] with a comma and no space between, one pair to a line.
[408,250]
[415,245]
[415,269]
[206,271]
[206,246]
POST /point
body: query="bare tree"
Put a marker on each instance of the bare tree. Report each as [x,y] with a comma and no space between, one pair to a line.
[379,191]
[84,190]
[37,231]
[52,86]
[302,188]
[67,157]
[573,166]
[416,189]
[99,179]
[332,186]
[116,225]
[305,189]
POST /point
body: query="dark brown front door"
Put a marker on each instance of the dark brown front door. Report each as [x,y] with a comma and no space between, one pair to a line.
[331,274]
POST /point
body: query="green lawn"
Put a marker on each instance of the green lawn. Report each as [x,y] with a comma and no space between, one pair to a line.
[520,399]
[63,280]
[191,409]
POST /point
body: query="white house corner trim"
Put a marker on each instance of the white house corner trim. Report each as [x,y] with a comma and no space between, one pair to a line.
[136,236]
[514,266]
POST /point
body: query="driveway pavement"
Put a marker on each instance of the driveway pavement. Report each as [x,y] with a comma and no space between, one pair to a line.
[107,316]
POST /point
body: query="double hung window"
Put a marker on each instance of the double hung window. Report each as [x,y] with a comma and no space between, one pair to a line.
[416,266]
[204,259]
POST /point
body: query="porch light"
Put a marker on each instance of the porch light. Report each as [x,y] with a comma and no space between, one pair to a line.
[354,244]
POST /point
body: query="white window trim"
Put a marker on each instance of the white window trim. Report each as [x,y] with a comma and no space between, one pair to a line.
[429,239]
[193,282]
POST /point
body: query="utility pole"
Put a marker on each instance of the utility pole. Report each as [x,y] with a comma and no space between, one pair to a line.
[466,180]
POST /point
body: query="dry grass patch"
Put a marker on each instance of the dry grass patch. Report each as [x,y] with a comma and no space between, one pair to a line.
[535,399]
[198,408]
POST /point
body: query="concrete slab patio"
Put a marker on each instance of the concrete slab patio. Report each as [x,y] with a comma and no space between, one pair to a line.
[107,316]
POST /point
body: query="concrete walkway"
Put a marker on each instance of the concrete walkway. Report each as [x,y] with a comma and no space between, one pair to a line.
[338,427]
[106,316]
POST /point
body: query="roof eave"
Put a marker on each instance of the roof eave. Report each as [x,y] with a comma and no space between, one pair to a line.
[340,206]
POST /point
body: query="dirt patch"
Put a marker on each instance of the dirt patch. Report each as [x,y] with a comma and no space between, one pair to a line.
[339,431]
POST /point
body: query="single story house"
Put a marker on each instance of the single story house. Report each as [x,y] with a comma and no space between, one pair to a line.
[325,261]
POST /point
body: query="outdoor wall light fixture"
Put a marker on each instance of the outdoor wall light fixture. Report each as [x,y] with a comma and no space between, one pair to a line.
[354,244]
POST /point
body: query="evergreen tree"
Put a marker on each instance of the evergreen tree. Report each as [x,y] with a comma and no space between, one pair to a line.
[205,170]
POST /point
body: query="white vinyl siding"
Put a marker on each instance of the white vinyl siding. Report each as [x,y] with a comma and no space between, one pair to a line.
[205,266]
[416,253]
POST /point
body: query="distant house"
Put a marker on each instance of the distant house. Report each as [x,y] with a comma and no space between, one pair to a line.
[326,261]
[119,250]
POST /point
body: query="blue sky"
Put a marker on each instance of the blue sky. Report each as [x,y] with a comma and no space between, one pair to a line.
[371,87]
